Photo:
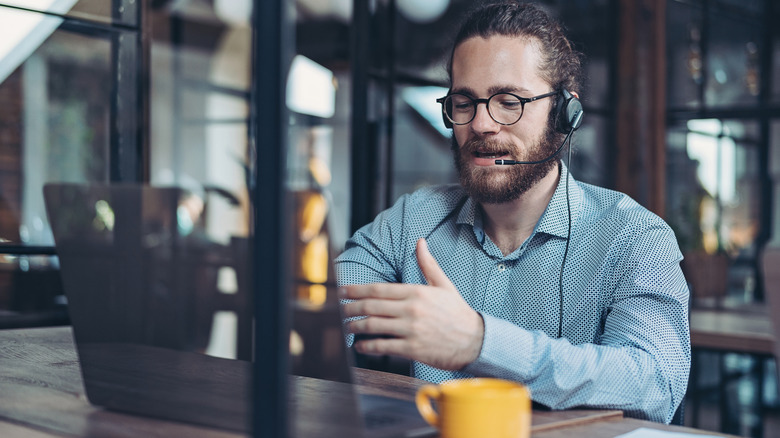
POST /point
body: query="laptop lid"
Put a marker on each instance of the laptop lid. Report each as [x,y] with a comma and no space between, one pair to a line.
[142,282]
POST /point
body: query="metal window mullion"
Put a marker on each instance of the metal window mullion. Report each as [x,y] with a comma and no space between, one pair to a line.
[125,150]
[272,44]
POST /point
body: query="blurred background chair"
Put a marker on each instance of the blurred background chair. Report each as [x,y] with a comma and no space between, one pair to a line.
[707,275]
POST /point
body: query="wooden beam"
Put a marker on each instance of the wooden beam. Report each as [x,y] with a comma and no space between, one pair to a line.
[641,102]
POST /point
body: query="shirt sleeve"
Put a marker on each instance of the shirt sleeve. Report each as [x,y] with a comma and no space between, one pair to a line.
[639,364]
[369,255]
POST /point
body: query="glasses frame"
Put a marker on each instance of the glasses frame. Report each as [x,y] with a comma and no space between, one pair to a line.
[475,102]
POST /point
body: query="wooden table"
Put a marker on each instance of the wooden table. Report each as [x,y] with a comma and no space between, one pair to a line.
[42,395]
[733,330]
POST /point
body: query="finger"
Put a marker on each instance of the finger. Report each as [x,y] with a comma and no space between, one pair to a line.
[372,307]
[386,291]
[379,346]
[430,267]
[375,325]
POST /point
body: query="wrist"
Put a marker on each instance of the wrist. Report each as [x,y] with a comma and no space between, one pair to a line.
[474,347]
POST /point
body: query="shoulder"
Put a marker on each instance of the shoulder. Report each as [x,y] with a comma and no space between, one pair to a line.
[616,212]
[418,213]
[422,209]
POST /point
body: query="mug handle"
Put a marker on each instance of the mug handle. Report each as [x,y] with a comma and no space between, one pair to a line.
[423,400]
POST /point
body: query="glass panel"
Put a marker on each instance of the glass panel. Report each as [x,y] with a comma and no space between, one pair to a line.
[589,24]
[107,11]
[750,6]
[774,174]
[143,280]
[31,292]
[421,151]
[318,95]
[684,54]
[199,114]
[776,63]
[713,196]
[55,118]
[733,60]
[590,159]
[432,22]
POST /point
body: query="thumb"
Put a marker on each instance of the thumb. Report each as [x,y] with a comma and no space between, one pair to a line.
[430,268]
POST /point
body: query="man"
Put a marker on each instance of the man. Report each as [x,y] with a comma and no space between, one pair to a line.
[520,272]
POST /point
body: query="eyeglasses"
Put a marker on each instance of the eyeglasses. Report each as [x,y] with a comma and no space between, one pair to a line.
[504,108]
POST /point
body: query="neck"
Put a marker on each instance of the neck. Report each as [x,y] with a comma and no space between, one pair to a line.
[509,224]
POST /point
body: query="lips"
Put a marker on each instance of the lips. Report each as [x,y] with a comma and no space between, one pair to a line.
[485,151]
[489,154]
[484,157]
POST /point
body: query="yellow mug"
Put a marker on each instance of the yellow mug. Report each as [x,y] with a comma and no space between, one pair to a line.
[479,407]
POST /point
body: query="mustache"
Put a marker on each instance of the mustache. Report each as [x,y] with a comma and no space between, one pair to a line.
[486,146]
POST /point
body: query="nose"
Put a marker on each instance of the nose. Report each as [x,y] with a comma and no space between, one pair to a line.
[482,123]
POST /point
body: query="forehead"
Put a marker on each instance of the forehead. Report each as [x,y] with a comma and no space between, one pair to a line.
[482,64]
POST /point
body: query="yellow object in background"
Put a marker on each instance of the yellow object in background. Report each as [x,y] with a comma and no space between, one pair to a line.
[481,407]
[314,260]
[313,296]
[311,215]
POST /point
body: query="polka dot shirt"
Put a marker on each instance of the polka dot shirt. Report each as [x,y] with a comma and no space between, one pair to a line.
[625,340]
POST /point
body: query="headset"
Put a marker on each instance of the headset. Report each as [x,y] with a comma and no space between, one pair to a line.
[568,119]
[569,112]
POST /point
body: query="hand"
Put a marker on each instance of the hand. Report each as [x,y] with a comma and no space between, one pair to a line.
[427,323]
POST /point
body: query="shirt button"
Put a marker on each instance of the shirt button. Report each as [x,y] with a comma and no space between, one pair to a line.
[501,267]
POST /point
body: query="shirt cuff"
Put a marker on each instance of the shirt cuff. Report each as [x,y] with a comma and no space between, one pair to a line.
[507,351]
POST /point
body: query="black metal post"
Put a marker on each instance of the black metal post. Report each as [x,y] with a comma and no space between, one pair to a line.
[126,150]
[362,142]
[272,42]
[390,90]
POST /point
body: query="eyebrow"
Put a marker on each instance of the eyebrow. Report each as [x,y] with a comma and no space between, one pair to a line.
[493,90]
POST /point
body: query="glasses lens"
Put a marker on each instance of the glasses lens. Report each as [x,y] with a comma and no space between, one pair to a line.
[460,108]
[505,108]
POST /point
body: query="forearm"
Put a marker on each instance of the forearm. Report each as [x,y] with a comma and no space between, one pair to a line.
[561,375]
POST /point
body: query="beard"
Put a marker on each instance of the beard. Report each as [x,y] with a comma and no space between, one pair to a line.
[490,186]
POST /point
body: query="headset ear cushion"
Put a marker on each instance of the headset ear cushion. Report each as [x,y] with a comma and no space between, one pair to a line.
[569,109]
[446,120]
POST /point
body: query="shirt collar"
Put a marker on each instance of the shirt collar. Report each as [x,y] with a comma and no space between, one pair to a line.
[554,219]
[470,214]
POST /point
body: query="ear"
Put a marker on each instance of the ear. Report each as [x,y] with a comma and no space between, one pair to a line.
[575,94]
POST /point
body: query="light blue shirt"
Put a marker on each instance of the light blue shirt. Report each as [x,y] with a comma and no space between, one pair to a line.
[626,342]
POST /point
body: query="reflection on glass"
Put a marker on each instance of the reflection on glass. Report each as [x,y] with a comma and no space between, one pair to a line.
[421,149]
[23,33]
[774,172]
[715,156]
[106,11]
[56,99]
[728,212]
[30,291]
[589,23]
[775,68]
[155,312]
[589,158]
[713,202]
[423,101]
[199,113]
[683,33]
[311,88]
[732,59]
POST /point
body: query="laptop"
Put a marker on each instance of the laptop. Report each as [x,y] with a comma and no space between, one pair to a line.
[143,282]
